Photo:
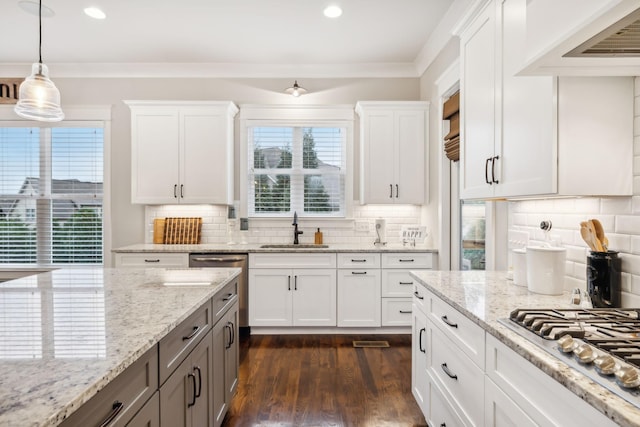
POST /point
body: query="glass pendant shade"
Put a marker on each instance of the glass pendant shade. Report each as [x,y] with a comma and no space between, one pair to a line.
[39,98]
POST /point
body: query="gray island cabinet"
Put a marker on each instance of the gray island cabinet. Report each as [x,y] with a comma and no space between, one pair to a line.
[121,347]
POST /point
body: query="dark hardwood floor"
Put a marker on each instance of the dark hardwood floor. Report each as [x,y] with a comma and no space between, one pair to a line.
[322,380]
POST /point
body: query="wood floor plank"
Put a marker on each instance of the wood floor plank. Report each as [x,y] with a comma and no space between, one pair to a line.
[322,380]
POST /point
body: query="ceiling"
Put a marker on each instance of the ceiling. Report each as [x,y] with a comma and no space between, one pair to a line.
[245,38]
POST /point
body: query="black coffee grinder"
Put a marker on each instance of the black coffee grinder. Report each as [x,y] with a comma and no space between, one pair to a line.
[603,279]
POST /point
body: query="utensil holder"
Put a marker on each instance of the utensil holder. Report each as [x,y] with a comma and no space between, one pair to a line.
[603,279]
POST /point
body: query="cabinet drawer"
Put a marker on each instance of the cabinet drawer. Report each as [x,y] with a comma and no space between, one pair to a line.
[149,415]
[131,389]
[409,260]
[421,298]
[292,260]
[468,336]
[462,380]
[397,283]
[396,311]
[224,299]
[152,259]
[440,411]
[178,343]
[359,260]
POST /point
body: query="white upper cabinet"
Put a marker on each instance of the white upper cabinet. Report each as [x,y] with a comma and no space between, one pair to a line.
[393,147]
[182,152]
[527,136]
[555,29]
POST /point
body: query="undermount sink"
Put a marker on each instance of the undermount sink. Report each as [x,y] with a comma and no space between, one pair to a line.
[292,246]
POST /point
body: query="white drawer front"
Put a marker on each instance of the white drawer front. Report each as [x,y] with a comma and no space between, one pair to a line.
[153,259]
[440,412]
[421,298]
[396,311]
[468,336]
[359,260]
[397,283]
[292,260]
[408,260]
[461,380]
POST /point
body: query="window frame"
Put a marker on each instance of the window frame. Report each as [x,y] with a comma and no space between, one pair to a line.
[78,116]
[339,116]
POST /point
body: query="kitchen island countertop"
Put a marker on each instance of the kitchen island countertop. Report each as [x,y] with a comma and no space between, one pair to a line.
[485,297]
[67,333]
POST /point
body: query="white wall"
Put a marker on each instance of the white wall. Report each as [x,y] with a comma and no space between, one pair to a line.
[620,218]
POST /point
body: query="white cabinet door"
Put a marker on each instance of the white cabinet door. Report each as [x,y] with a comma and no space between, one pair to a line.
[359,298]
[270,297]
[155,134]
[477,106]
[501,411]
[393,139]
[419,377]
[314,297]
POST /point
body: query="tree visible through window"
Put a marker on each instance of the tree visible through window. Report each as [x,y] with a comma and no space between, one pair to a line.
[51,195]
[297,169]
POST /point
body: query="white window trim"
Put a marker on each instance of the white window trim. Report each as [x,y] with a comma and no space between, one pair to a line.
[78,113]
[295,115]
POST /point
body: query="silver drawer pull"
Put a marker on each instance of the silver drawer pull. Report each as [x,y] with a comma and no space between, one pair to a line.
[152,260]
[405,283]
[192,334]
[358,272]
[417,295]
[115,410]
[405,311]
[449,322]
[448,372]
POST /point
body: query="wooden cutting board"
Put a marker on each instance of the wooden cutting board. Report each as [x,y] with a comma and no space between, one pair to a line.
[182,230]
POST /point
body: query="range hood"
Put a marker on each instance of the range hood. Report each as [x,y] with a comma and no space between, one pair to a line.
[621,39]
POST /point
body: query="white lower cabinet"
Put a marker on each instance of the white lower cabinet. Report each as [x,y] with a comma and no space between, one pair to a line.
[500,410]
[419,376]
[359,298]
[441,412]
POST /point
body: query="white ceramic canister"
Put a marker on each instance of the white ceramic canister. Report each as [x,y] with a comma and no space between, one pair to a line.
[519,267]
[546,269]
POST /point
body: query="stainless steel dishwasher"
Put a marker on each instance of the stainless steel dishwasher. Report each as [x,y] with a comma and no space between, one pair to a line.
[227,260]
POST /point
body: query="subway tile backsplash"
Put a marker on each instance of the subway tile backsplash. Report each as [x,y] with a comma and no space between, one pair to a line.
[620,218]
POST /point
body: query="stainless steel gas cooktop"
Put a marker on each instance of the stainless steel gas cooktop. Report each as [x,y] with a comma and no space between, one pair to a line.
[603,344]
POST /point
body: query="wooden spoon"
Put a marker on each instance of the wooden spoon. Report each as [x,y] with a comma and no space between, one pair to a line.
[596,242]
[586,236]
[597,225]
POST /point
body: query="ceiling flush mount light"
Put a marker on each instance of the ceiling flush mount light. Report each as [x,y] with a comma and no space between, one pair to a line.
[332,11]
[296,90]
[39,98]
[95,13]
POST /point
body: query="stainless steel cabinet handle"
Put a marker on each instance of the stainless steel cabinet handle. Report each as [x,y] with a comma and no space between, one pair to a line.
[152,260]
[175,191]
[115,410]
[423,350]
[405,283]
[449,322]
[197,368]
[358,272]
[192,334]
[405,311]
[493,169]
[190,404]
[417,295]
[448,372]
[486,171]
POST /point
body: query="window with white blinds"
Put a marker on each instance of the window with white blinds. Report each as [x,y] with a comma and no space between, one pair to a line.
[51,193]
[296,169]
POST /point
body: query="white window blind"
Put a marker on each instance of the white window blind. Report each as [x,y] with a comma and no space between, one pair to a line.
[296,169]
[51,182]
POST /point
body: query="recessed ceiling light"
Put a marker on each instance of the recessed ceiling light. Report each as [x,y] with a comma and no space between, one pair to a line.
[332,11]
[32,8]
[95,13]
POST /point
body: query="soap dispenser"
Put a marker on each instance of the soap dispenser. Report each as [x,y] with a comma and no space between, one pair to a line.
[318,237]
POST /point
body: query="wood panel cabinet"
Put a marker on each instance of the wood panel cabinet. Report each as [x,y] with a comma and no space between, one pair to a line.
[182,152]
[393,147]
[186,397]
[536,135]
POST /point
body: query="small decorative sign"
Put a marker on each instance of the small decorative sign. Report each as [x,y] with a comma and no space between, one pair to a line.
[9,90]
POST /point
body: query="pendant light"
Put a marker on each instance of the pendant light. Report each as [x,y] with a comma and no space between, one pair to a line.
[296,90]
[39,98]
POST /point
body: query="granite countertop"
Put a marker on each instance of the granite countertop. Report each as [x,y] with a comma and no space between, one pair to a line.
[65,334]
[222,248]
[485,297]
